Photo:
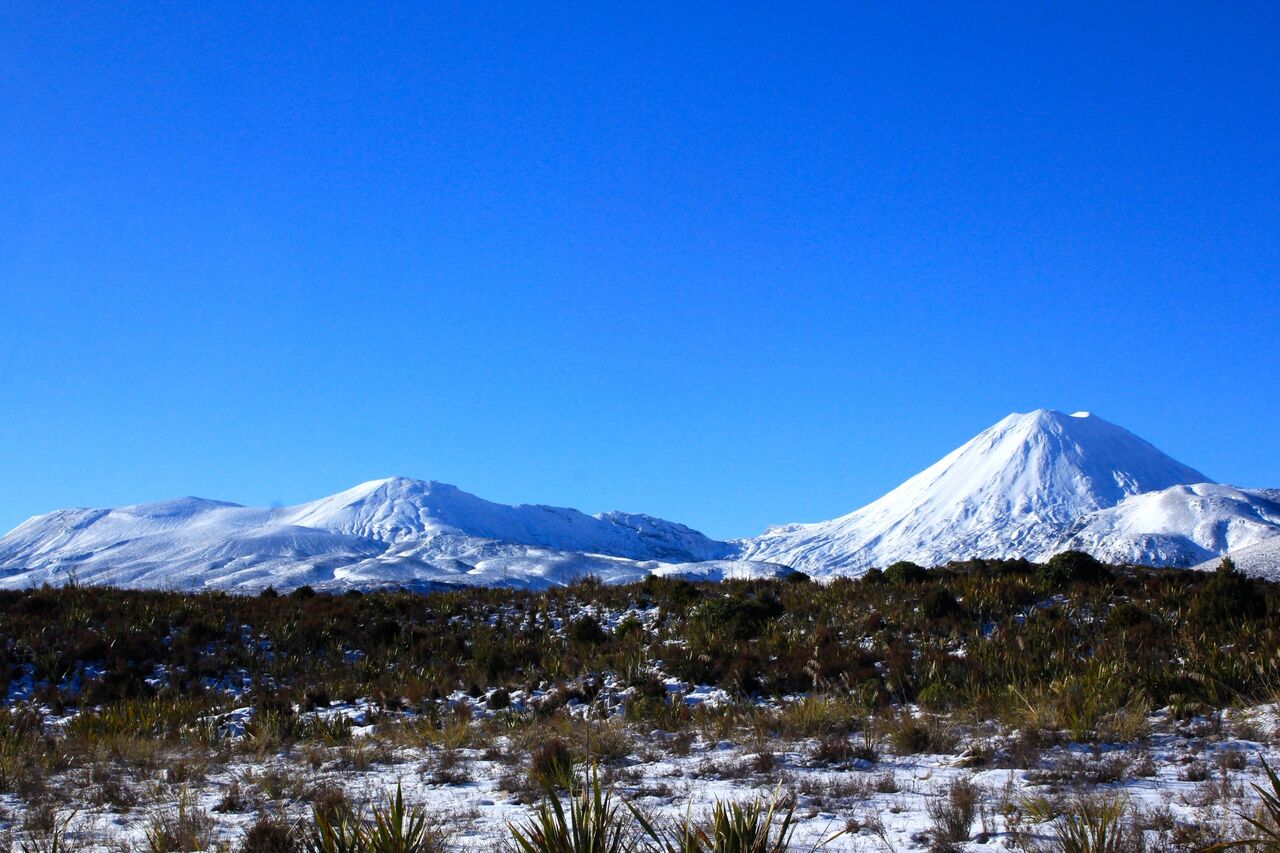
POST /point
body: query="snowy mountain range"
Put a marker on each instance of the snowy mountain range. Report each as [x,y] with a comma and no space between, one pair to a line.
[1030,486]
[411,532]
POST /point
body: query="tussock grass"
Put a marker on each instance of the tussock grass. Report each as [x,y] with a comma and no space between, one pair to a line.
[1095,825]
[952,812]
[843,673]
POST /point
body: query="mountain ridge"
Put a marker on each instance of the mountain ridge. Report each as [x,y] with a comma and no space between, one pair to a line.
[1031,485]
[392,529]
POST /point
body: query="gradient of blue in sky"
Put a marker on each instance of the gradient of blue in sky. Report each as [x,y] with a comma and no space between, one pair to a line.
[732,265]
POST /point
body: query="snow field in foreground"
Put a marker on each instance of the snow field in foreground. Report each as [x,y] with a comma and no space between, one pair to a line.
[1182,779]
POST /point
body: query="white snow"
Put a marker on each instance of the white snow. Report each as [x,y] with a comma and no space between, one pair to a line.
[1179,526]
[393,531]
[1030,486]
[874,806]
[1014,490]
[1260,560]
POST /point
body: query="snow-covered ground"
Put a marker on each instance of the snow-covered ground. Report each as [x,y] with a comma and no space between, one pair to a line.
[1186,780]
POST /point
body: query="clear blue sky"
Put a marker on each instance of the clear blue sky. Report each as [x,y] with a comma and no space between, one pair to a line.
[734,265]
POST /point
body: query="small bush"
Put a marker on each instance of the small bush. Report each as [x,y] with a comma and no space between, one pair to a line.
[233,799]
[448,767]
[1196,771]
[606,743]
[1128,615]
[738,617]
[1070,567]
[939,603]
[904,571]
[586,631]
[270,834]
[834,749]
[551,764]
[186,827]
[911,735]
[935,697]
[951,813]
[1228,597]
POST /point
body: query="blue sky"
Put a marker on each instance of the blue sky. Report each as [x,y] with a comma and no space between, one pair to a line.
[733,265]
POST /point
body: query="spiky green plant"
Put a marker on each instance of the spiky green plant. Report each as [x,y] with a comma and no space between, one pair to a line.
[399,829]
[593,823]
[738,828]
[333,831]
[1093,826]
[754,827]
[1265,822]
[393,828]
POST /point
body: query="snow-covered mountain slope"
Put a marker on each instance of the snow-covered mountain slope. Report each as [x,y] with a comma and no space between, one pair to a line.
[1178,526]
[171,543]
[385,530]
[465,561]
[1261,560]
[399,509]
[1012,491]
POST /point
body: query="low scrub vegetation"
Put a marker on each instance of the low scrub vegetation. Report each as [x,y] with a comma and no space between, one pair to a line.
[129,702]
[982,636]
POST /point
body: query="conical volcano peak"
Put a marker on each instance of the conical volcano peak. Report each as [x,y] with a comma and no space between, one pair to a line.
[1013,490]
[1054,419]
[1079,460]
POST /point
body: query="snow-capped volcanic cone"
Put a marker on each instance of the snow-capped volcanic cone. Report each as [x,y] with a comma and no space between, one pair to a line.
[1014,490]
